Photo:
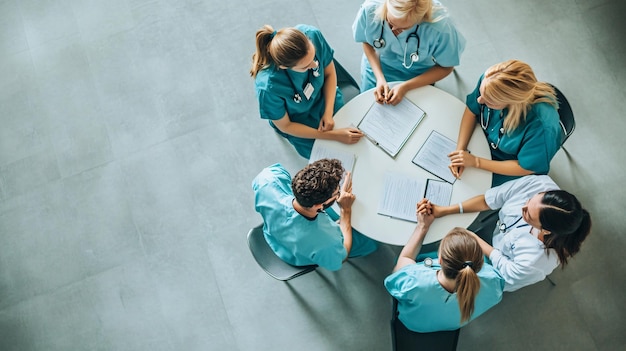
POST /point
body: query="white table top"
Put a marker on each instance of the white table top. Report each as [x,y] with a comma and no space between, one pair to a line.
[443,113]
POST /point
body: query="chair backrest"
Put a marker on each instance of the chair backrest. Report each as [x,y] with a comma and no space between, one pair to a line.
[267,259]
[566,116]
[349,87]
[404,339]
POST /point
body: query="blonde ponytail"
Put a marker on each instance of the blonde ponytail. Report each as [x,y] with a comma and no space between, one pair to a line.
[461,258]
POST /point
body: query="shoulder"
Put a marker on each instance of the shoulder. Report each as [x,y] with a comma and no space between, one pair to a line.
[275,173]
[370,6]
[490,274]
[528,184]
[265,78]
[544,113]
[440,21]
[411,276]
[310,31]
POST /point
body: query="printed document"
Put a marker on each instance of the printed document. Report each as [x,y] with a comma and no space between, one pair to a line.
[389,126]
[319,152]
[433,156]
[402,193]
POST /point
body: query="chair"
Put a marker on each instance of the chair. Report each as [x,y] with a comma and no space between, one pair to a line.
[267,259]
[403,339]
[566,116]
[349,87]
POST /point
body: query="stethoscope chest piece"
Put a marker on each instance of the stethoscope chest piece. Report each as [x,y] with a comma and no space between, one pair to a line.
[297,98]
[379,43]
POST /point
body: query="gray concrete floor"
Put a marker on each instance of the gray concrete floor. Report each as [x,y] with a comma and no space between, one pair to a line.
[130,134]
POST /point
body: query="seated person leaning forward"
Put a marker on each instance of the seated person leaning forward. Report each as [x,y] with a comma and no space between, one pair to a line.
[444,293]
[299,224]
[539,227]
[296,85]
[519,117]
[413,42]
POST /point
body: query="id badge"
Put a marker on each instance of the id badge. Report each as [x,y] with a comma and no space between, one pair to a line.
[308,90]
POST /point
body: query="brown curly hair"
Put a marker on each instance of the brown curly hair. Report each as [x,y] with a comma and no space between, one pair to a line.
[317,182]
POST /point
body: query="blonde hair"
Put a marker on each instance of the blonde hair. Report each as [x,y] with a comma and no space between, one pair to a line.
[417,11]
[513,83]
[285,47]
[461,259]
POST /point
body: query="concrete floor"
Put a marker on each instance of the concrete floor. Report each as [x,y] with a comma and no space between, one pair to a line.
[130,135]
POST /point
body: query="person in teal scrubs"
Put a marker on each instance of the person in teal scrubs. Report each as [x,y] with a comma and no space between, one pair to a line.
[299,224]
[411,41]
[296,85]
[519,117]
[444,293]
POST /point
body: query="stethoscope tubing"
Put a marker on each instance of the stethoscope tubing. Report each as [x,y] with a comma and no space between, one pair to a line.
[380,43]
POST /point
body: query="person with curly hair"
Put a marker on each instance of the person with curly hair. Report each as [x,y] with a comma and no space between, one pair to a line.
[298,222]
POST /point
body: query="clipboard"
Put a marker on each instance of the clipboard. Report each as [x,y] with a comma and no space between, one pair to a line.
[389,127]
[401,193]
[433,156]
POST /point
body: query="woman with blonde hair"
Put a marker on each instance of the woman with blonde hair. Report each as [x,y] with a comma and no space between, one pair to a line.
[519,117]
[411,41]
[296,85]
[444,293]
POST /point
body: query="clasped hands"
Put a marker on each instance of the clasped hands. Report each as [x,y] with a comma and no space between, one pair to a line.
[385,95]
[424,213]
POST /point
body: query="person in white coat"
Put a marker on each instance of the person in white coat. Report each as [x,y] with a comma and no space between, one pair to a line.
[539,227]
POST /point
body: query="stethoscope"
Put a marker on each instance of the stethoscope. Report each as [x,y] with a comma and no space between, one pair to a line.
[380,43]
[484,125]
[297,98]
[504,228]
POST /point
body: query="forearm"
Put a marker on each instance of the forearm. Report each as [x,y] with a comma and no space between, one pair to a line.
[468,123]
[345,224]
[484,246]
[374,60]
[330,88]
[432,75]
[510,167]
[474,204]
[411,249]
[303,131]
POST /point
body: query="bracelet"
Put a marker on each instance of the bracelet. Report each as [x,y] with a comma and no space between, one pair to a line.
[460,207]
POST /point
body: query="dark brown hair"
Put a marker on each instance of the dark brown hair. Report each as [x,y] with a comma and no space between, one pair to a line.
[317,182]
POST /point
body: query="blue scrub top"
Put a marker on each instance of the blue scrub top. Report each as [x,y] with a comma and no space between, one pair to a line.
[275,92]
[440,44]
[425,306]
[294,238]
[533,143]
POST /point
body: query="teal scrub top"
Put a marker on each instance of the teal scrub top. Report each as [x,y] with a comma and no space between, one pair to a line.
[533,143]
[425,306]
[275,92]
[440,44]
[294,238]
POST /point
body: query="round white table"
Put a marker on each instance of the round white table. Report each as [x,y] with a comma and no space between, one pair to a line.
[443,114]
